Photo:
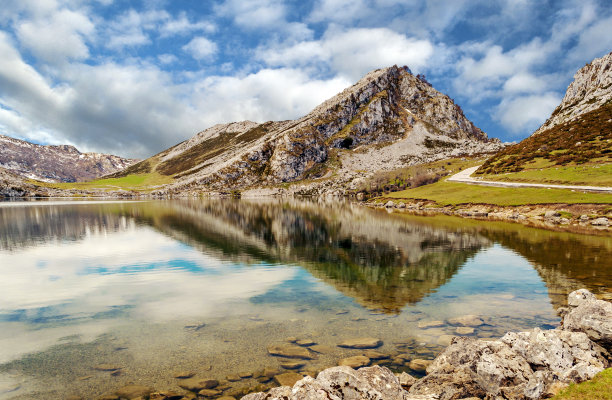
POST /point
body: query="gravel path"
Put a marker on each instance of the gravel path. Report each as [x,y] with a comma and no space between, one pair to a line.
[465,176]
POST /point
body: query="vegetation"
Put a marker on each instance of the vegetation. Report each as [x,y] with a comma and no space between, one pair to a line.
[599,388]
[452,193]
[584,141]
[138,182]
[592,175]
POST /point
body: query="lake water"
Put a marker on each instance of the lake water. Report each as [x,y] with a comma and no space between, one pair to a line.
[149,289]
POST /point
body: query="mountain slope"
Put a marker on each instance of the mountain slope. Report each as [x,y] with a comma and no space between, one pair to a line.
[389,119]
[578,135]
[56,163]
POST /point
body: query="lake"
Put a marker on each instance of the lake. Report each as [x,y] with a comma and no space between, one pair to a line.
[98,295]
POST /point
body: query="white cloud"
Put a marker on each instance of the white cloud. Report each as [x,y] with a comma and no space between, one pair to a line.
[352,53]
[201,48]
[167,58]
[182,26]
[524,83]
[264,14]
[57,36]
[338,10]
[524,114]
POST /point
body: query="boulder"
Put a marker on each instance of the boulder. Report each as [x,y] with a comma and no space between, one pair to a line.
[390,204]
[601,221]
[361,343]
[591,316]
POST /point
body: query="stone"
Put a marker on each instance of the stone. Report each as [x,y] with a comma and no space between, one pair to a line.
[305,342]
[466,320]
[270,372]
[163,395]
[226,398]
[233,378]
[390,204]
[361,343]
[590,316]
[406,380]
[288,378]
[133,391]
[355,361]
[290,351]
[209,393]
[197,384]
[292,339]
[601,221]
[292,365]
[430,324]
[184,374]
[401,205]
[419,365]
[551,214]
[464,330]
[375,355]
[245,375]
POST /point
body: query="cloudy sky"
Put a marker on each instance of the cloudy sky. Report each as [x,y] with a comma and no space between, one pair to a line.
[135,77]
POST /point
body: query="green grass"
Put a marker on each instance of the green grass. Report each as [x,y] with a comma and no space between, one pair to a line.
[451,193]
[599,388]
[138,182]
[593,175]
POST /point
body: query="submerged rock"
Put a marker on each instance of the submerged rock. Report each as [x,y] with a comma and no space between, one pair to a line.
[361,343]
[288,378]
[355,361]
[197,384]
[290,351]
[466,320]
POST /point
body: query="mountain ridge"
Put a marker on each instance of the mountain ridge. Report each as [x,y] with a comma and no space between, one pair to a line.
[56,163]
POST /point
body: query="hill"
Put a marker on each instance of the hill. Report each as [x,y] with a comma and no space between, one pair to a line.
[575,144]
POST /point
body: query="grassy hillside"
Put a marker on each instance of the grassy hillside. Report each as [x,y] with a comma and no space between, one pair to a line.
[599,388]
[578,152]
[142,182]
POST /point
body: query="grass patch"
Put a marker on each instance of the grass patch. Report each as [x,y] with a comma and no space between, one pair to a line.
[599,388]
[593,175]
[138,182]
[451,193]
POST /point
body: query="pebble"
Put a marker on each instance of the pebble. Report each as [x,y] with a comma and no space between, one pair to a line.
[290,351]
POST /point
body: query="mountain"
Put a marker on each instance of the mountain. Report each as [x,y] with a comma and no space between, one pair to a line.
[387,120]
[579,131]
[56,163]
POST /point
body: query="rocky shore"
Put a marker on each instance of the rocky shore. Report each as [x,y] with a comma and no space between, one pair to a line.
[534,364]
[578,218]
[521,365]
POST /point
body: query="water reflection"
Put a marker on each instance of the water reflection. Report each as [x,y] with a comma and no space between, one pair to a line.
[81,281]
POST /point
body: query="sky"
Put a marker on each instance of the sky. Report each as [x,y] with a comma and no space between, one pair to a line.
[133,78]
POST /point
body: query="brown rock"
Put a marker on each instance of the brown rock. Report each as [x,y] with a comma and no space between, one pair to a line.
[107,367]
[321,348]
[375,355]
[233,378]
[355,362]
[133,391]
[419,365]
[406,380]
[184,375]
[290,351]
[305,342]
[361,343]
[197,384]
[209,393]
[245,375]
[464,330]
[288,378]
[270,372]
[292,365]
[445,340]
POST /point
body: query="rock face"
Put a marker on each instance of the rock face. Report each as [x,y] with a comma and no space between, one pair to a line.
[56,163]
[591,89]
[591,316]
[388,108]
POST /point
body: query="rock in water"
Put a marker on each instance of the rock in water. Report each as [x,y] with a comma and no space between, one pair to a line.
[355,361]
[466,320]
[290,351]
[288,378]
[133,391]
[361,343]
[197,384]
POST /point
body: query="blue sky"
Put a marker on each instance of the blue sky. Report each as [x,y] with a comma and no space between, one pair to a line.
[135,77]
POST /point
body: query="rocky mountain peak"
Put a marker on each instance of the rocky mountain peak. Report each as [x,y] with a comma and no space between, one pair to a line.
[590,89]
[56,163]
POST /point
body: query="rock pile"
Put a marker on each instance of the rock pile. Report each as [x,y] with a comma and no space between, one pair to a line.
[521,365]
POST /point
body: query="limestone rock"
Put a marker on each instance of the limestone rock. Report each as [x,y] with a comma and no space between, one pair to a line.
[375,355]
[292,365]
[419,364]
[464,330]
[591,316]
[209,393]
[361,343]
[601,221]
[355,361]
[430,324]
[290,351]
[406,380]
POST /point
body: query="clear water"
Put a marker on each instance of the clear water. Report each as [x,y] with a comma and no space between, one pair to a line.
[158,287]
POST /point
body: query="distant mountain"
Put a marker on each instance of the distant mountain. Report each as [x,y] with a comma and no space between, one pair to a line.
[56,163]
[387,120]
[579,130]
